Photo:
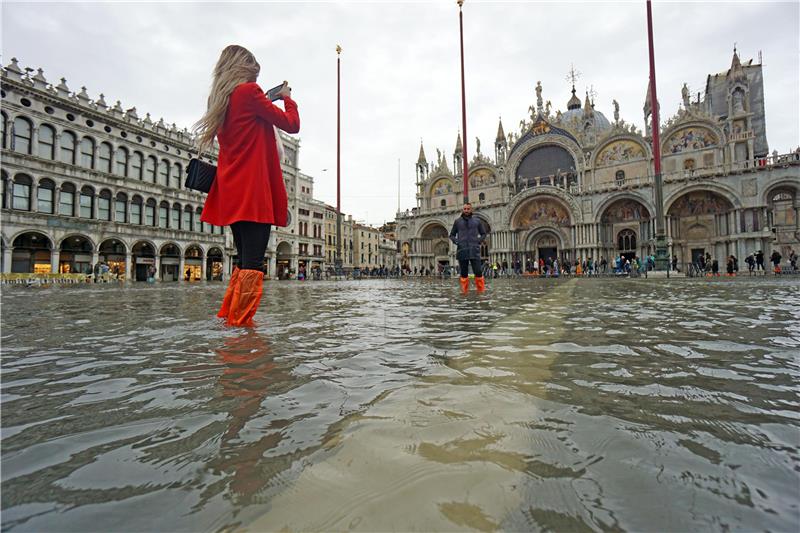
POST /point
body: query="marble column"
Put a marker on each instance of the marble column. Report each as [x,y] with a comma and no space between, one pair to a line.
[130,268]
[55,255]
[7,260]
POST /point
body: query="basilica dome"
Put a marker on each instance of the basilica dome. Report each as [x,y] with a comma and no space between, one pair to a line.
[578,115]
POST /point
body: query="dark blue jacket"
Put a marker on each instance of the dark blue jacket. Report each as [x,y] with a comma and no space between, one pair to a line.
[468,234]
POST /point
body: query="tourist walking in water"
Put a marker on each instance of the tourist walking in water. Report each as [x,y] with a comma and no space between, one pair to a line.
[468,234]
[248,193]
[775,258]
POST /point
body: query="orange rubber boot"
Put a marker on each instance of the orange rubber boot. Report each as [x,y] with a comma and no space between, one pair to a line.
[226,300]
[246,297]
[480,284]
[464,285]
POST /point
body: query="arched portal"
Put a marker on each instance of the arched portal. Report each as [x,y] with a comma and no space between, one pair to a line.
[113,252]
[193,263]
[170,262]
[537,217]
[31,253]
[75,255]
[144,260]
[631,219]
[434,245]
[699,224]
[283,254]
[214,264]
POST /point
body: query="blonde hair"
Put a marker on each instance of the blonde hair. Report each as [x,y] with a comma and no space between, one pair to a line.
[236,65]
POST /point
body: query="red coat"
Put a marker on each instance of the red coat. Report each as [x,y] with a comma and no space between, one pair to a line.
[249,183]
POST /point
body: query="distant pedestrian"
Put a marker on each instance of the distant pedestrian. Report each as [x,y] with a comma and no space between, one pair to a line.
[775,258]
[468,234]
[751,263]
[793,259]
[759,260]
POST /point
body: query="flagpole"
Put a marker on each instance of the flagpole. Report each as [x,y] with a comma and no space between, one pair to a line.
[662,261]
[338,261]
[463,103]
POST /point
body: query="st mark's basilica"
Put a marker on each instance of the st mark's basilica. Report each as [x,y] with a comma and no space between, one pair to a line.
[575,184]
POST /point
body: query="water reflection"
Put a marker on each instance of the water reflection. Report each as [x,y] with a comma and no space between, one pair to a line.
[542,404]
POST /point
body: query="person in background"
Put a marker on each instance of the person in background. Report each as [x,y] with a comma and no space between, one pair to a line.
[468,234]
[248,193]
[775,258]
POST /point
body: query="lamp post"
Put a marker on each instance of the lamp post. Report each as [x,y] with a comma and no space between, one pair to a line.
[662,261]
[463,103]
[338,260]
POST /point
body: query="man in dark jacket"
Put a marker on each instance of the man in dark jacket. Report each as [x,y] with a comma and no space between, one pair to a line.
[468,234]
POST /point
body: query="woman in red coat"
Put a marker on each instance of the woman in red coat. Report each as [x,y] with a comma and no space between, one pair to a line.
[248,193]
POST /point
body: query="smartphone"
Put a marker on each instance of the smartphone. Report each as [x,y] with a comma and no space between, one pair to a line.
[272,94]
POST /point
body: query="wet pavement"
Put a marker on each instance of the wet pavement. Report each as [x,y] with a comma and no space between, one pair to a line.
[374,405]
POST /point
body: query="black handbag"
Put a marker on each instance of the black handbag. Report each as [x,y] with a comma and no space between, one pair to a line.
[200,175]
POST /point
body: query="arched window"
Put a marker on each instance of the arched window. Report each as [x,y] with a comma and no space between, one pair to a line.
[150,212]
[44,196]
[5,127]
[443,203]
[47,141]
[87,152]
[66,200]
[67,147]
[175,217]
[150,170]
[620,177]
[121,159]
[163,173]
[626,241]
[163,215]
[136,165]
[176,175]
[783,208]
[481,198]
[187,218]
[104,205]
[120,207]
[21,141]
[104,163]
[136,210]
[21,193]
[87,202]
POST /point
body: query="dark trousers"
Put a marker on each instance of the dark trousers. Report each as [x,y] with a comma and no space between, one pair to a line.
[463,265]
[251,239]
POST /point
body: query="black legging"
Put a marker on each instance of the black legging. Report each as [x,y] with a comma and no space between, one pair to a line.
[463,264]
[251,239]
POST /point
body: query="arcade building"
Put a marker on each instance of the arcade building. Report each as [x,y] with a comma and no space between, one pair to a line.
[575,185]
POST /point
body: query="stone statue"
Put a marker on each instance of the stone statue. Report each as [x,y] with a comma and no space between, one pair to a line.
[616,111]
[738,101]
[478,146]
[539,95]
[547,107]
[438,156]
[685,96]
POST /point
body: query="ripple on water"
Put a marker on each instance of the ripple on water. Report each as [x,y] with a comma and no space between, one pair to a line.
[379,405]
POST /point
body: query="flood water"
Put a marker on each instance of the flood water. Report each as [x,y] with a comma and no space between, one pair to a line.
[567,405]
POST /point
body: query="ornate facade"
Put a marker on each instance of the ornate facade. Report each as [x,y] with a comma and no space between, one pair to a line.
[575,185]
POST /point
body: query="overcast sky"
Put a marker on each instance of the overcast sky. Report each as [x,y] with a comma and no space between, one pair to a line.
[400,68]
